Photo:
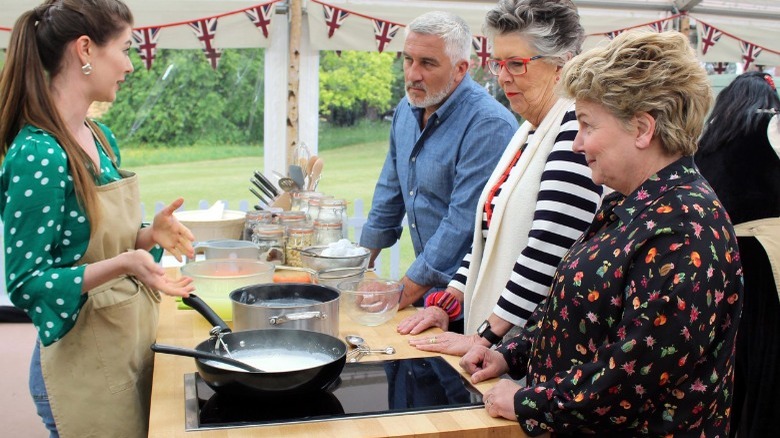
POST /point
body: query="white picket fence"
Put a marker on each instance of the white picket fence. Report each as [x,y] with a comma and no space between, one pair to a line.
[355,225]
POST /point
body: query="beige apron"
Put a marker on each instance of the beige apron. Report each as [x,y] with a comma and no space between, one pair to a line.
[99,375]
[767,232]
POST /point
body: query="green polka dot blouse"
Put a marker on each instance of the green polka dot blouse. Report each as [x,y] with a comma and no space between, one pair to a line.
[46,232]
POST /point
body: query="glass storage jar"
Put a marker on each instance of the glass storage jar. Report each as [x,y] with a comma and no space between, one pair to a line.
[300,200]
[288,218]
[254,218]
[269,239]
[298,237]
[327,232]
[333,210]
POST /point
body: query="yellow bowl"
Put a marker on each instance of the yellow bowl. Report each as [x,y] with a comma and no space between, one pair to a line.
[215,279]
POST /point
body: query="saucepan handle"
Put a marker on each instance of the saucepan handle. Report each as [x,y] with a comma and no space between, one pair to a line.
[302,316]
[207,312]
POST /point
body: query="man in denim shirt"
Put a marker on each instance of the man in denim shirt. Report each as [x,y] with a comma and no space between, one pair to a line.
[446,138]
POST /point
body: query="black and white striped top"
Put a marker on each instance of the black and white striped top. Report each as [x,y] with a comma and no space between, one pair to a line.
[565,206]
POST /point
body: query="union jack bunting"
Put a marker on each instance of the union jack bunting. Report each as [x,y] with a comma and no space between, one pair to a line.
[709,36]
[719,67]
[146,44]
[749,53]
[658,26]
[205,30]
[480,44]
[334,17]
[614,33]
[261,16]
[384,32]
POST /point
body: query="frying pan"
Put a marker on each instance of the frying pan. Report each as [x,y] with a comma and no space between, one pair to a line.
[320,358]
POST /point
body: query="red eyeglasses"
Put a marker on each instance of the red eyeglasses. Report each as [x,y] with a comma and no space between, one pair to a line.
[515,66]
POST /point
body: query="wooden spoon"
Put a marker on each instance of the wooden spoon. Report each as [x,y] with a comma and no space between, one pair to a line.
[310,165]
[314,175]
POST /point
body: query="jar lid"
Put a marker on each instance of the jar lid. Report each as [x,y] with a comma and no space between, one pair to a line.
[327,224]
[333,202]
[269,230]
[258,214]
[300,230]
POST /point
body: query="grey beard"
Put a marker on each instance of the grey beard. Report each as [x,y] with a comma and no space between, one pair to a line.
[431,100]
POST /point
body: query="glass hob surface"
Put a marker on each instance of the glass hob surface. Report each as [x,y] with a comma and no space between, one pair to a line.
[364,389]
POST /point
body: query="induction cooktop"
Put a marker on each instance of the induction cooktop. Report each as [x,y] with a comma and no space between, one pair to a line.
[364,389]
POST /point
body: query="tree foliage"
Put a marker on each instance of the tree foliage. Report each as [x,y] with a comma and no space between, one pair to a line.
[355,84]
[183,101]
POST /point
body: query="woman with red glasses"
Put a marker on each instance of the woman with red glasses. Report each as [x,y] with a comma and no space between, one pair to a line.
[539,198]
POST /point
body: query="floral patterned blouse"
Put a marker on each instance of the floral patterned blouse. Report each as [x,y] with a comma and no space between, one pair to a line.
[637,335]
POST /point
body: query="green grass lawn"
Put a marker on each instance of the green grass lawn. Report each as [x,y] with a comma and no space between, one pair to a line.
[350,173]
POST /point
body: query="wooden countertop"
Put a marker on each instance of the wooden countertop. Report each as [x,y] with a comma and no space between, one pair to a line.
[187,328]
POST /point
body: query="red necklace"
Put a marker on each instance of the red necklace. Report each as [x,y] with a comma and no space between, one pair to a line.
[497,185]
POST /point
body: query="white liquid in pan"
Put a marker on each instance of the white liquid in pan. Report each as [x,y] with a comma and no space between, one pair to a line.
[276,360]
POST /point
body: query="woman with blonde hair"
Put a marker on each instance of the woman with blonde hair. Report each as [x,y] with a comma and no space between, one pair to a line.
[637,334]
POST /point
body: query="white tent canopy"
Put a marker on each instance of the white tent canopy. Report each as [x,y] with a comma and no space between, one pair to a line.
[738,25]
[755,21]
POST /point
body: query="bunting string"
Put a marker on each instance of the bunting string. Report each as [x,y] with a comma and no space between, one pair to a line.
[657,26]
[260,15]
[723,32]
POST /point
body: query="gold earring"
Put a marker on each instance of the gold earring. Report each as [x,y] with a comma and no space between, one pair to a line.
[86,69]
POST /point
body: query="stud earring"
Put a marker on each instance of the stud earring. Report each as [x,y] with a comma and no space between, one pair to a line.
[86,69]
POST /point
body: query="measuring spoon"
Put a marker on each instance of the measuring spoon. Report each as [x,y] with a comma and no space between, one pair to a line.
[360,344]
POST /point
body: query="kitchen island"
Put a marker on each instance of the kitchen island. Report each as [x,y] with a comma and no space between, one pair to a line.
[187,328]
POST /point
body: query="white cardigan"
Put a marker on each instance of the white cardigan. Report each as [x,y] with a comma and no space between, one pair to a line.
[493,259]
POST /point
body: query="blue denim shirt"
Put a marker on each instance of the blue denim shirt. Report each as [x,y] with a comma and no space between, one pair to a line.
[435,176]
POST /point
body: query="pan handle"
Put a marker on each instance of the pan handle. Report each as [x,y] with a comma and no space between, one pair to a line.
[207,312]
[178,351]
[281,319]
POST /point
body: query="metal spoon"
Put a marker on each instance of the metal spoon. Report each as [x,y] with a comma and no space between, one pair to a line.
[355,340]
[203,355]
[288,184]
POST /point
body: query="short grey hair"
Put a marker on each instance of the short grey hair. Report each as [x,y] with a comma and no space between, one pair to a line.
[552,27]
[450,28]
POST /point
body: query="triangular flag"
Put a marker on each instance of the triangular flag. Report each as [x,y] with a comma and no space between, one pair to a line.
[719,68]
[658,26]
[480,44]
[261,16]
[384,32]
[614,33]
[146,44]
[709,36]
[749,53]
[334,17]
[205,30]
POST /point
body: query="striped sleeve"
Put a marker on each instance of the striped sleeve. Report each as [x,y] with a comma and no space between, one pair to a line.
[459,279]
[565,206]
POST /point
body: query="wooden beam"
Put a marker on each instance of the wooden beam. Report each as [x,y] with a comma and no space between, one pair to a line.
[686,5]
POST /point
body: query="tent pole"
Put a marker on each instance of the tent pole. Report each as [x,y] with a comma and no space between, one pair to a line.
[296,18]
